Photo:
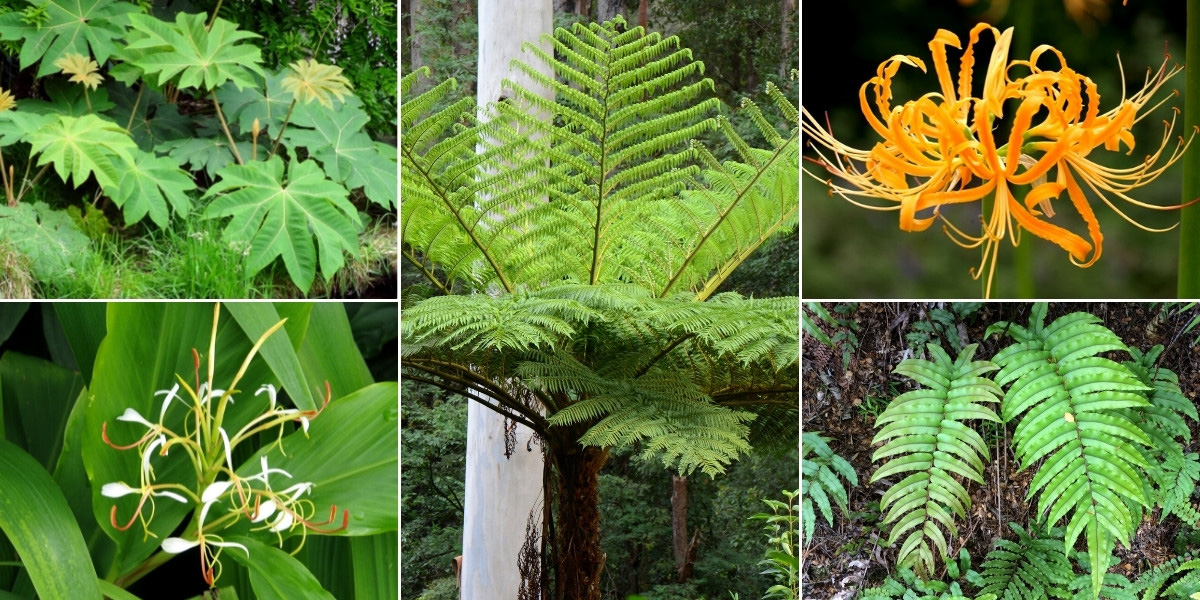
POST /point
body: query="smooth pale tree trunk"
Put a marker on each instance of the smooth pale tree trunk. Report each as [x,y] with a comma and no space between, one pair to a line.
[416,48]
[500,492]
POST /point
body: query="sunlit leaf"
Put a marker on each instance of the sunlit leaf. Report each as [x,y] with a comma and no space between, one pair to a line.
[49,238]
[81,146]
[279,214]
[191,55]
[346,152]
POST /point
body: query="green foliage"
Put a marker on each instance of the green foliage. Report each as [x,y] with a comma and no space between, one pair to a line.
[927,437]
[1035,566]
[783,547]
[1069,401]
[941,324]
[911,587]
[278,214]
[819,481]
[123,130]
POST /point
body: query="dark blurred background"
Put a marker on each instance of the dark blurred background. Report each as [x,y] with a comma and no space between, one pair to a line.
[849,252]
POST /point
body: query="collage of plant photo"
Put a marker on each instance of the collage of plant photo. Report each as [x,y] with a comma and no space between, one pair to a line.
[957,448]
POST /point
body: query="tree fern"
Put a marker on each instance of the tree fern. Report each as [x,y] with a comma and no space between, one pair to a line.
[557,306]
[1069,400]
[819,481]
[1033,567]
[929,440]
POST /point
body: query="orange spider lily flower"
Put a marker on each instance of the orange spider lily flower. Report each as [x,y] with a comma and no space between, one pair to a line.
[941,148]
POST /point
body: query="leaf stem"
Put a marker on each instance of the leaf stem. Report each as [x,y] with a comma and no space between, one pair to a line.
[28,184]
[136,102]
[286,119]
[225,126]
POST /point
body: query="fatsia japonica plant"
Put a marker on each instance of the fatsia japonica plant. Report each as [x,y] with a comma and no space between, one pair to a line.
[146,114]
[573,250]
[1105,439]
[248,440]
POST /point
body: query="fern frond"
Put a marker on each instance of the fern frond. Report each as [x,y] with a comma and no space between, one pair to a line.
[1033,567]
[819,480]
[1151,582]
[1069,402]
[929,440]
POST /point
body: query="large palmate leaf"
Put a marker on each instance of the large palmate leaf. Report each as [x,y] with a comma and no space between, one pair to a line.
[268,102]
[82,146]
[191,55]
[346,152]
[927,438]
[154,120]
[153,185]
[208,150]
[49,238]
[1070,404]
[87,27]
[279,214]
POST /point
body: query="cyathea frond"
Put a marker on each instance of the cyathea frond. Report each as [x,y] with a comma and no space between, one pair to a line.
[926,437]
[577,241]
[1070,405]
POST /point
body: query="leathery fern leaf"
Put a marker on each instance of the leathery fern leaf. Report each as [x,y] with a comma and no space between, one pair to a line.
[1033,567]
[1069,402]
[929,440]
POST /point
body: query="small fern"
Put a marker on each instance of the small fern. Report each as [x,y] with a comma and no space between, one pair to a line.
[926,431]
[911,587]
[1069,402]
[1031,568]
[819,481]
[1153,583]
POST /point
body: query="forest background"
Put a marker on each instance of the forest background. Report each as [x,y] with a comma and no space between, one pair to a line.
[743,45]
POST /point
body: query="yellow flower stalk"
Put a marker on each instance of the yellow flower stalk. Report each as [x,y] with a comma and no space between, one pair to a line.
[943,148]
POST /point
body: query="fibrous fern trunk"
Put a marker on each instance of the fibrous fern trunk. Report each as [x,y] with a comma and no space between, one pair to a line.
[579,559]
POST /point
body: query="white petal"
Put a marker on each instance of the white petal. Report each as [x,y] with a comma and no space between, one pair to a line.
[134,416]
[174,545]
[304,423]
[230,545]
[171,395]
[265,510]
[171,495]
[158,441]
[228,453]
[297,490]
[116,490]
[271,392]
[283,522]
[214,491]
[266,471]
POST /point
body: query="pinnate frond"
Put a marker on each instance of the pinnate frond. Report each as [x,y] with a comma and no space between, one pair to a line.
[927,438]
[820,468]
[1069,403]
